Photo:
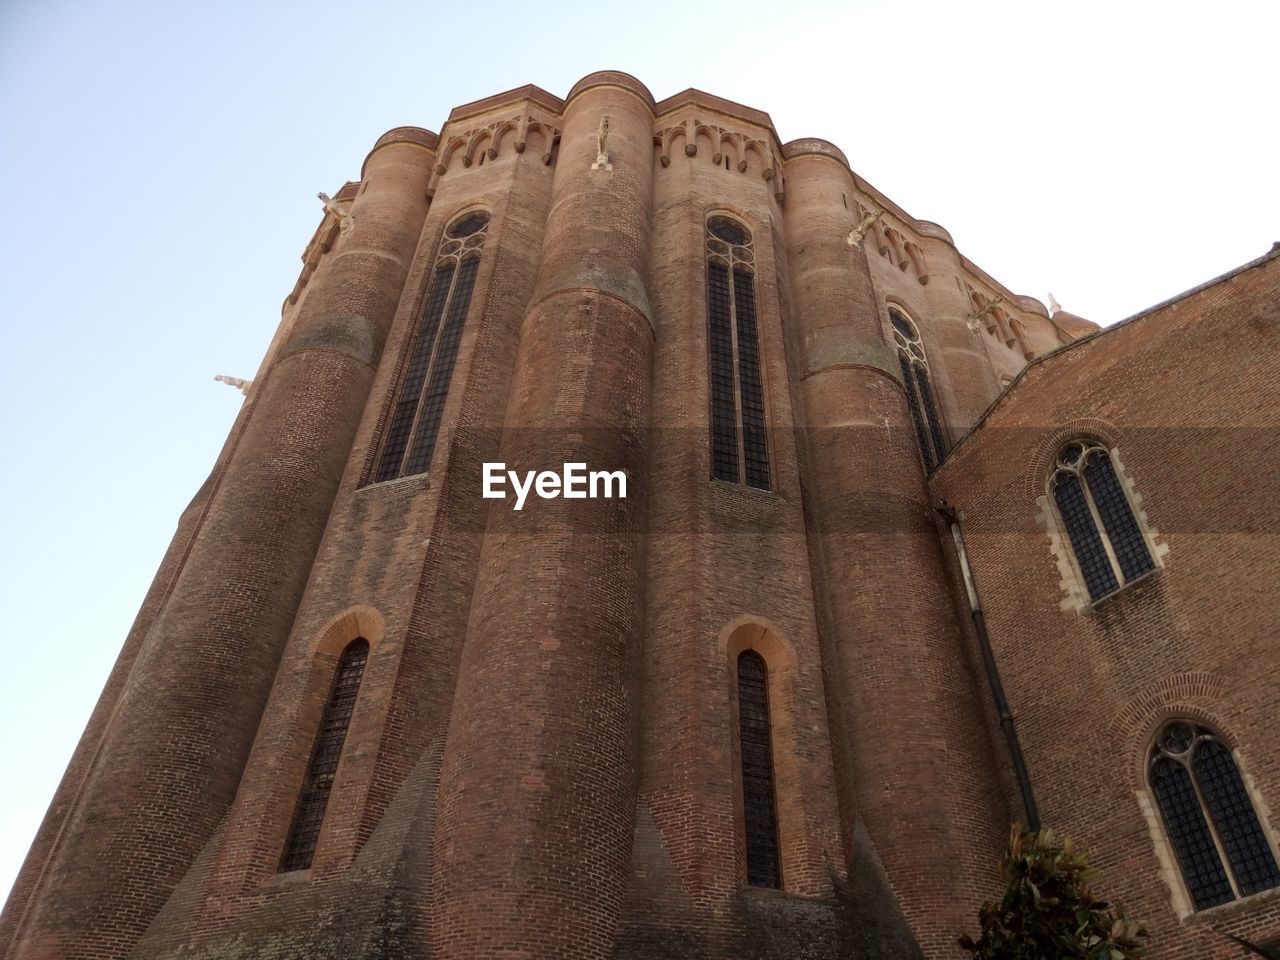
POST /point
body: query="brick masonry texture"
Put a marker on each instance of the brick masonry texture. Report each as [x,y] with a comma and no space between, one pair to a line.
[543,759]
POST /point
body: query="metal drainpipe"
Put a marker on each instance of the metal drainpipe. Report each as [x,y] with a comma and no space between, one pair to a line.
[948,513]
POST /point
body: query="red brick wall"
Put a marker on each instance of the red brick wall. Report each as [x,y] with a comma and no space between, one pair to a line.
[544,755]
[1187,395]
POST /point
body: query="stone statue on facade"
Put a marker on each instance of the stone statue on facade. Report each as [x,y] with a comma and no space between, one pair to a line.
[339,209]
[602,149]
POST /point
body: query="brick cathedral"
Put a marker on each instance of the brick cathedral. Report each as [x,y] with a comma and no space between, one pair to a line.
[904,558]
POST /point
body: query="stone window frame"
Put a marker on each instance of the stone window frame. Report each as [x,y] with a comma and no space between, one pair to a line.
[735,257]
[358,622]
[757,634]
[454,251]
[290,860]
[1075,588]
[931,428]
[1182,902]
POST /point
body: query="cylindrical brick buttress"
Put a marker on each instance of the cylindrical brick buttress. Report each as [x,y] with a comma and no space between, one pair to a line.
[172,756]
[537,795]
[917,769]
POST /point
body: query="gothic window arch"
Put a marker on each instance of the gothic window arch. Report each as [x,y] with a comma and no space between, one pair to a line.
[1219,844]
[739,445]
[300,847]
[424,384]
[1094,511]
[919,387]
[755,741]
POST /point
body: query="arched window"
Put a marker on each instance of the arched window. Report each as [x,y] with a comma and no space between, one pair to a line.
[1109,546]
[919,387]
[424,386]
[1221,848]
[739,448]
[759,812]
[326,753]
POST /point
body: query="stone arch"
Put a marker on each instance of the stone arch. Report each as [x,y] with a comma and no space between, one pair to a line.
[1044,453]
[544,139]
[706,138]
[360,620]
[917,260]
[446,155]
[672,135]
[1193,695]
[894,240]
[1196,698]
[1020,337]
[733,152]
[760,635]
[756,158]
[507,130]
[479,138]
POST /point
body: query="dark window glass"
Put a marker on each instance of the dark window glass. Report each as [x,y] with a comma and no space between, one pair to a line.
[1189,833]
[432,407]
[901,325]
[754,443]
[326,753]
[739,438]
[930,413]
[913,401]
[415,374]
[727,230]
[1126,538]
[1193,775]
[916,382]
[468,225]
[1109,545]
[724,417]
[759,813]
[1091,555]
[414,423]
[1233,815]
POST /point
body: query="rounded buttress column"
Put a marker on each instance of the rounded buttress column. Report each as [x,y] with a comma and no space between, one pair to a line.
[172,756]
[914,763]
[537,796]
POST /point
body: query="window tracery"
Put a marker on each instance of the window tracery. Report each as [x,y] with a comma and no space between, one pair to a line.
[1221,849]
[1094,510]
[415,419]
[739,444]
[760,818]
[916,381]
[308,817]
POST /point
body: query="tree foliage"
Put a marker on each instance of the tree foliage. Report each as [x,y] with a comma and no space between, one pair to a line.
[1048,911]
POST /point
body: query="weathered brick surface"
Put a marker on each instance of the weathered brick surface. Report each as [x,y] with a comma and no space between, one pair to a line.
[543,759]
[1188,395]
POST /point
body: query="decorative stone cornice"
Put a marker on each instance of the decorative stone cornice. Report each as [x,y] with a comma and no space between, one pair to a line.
[529,92]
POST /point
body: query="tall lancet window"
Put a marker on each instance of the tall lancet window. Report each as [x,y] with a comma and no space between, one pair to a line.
[739,445]
[326,753]
[424,383]
[1108,543]
[1219,843]
[759,812]
[919,387]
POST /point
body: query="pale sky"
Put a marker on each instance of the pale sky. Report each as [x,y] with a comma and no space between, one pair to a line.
[161,162]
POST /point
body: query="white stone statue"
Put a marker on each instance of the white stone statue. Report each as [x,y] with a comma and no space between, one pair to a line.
[1054,305]
[241,385]
[602,146]
[340,209]
[857,233]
